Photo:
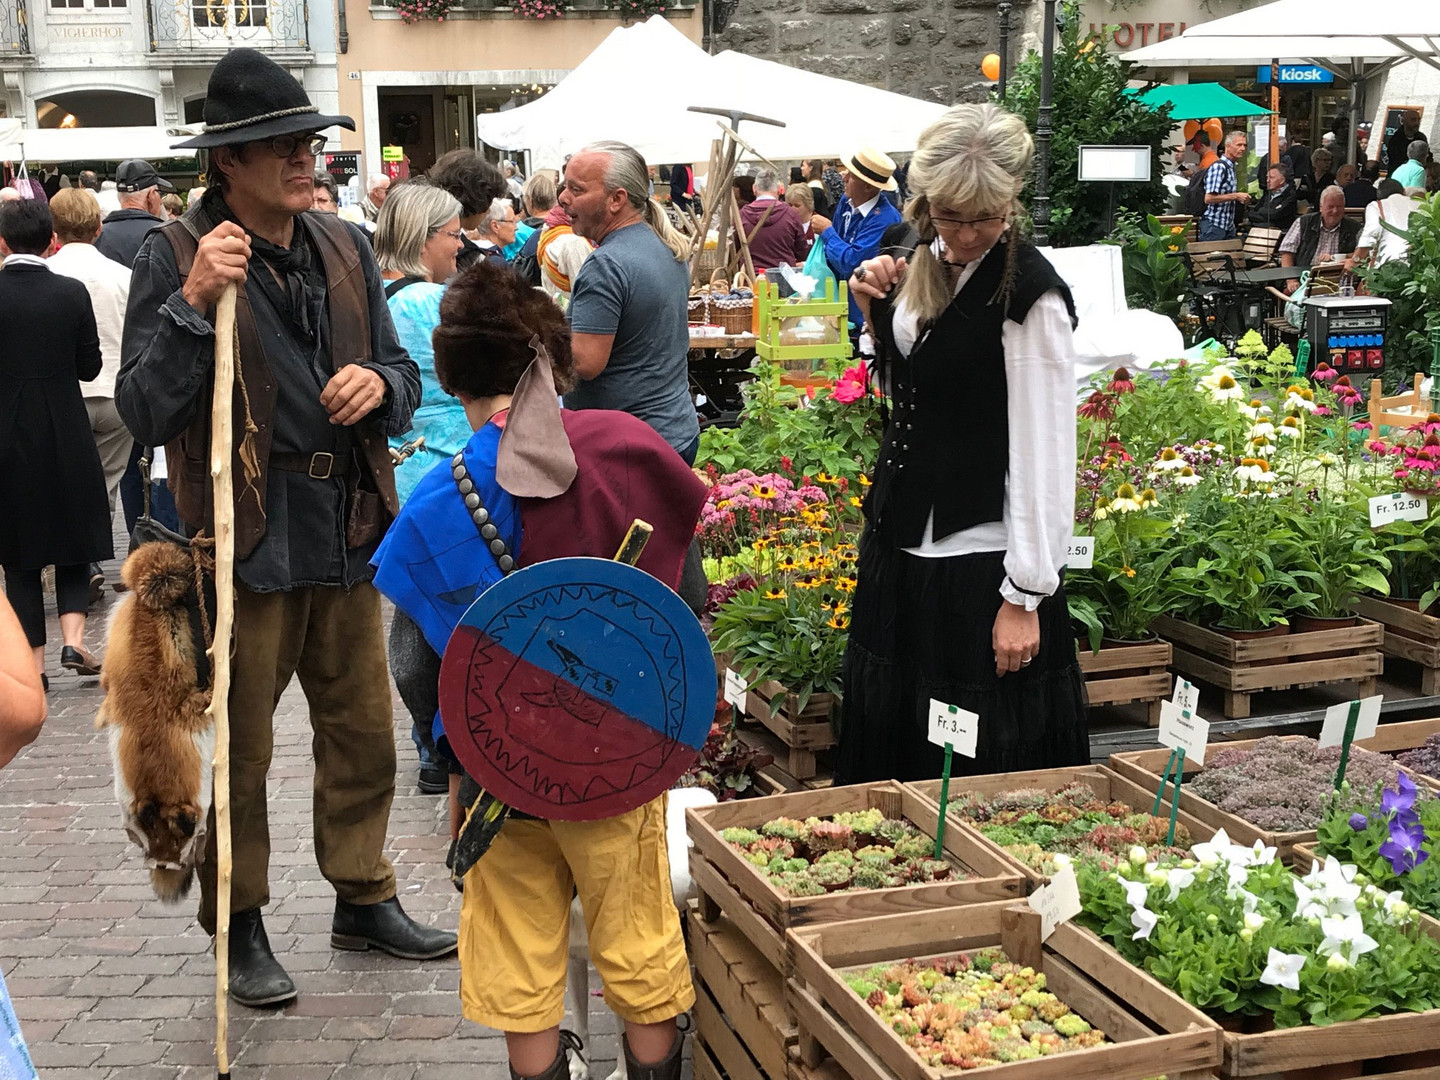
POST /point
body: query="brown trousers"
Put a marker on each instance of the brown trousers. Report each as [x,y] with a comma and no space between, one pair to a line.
[333,639]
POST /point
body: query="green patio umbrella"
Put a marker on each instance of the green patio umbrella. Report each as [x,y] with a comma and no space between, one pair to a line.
[1198,101]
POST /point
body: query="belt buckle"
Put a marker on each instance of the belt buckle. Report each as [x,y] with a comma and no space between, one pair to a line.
[321,461]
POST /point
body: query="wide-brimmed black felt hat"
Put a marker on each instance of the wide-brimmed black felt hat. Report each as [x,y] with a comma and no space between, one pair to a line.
[251,97]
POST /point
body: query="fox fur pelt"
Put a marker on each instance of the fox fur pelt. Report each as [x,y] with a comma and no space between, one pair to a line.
[162,742]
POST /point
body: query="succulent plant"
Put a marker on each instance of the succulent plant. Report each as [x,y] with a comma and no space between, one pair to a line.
[785,829]
[740,837]
[870,877]
[833,876]
[842,856]
[799,884]
[830,835]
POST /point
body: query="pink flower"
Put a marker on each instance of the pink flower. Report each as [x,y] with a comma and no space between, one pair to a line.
[1363,425]
[847,393]
[1121,382]
[1346,394]
[1324,373]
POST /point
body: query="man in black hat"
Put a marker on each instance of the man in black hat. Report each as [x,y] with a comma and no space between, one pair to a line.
[321,381]
[140,188]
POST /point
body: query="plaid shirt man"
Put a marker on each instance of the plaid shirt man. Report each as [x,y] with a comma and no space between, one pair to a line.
[1220,216]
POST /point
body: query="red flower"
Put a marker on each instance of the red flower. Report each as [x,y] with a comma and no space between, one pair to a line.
[787,466]
[1121,383]
[1098,406]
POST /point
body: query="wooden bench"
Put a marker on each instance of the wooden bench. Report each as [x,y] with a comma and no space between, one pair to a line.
[1191,226]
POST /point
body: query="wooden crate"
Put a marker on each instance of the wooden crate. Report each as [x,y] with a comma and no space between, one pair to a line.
[1145,767]
[1121,674]
[801,732]
[1106,784]
[727,883]
[1240,668]
[1409,635]
[748,990]
[774,778]
[1154,1032]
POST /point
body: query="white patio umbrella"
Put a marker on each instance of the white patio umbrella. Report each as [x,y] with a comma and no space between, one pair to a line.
[1322,32]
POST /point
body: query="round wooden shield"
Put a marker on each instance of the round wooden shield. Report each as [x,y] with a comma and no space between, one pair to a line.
[577,689]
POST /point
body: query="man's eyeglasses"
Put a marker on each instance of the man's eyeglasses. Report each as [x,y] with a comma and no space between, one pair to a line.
[978,224]
[283,146]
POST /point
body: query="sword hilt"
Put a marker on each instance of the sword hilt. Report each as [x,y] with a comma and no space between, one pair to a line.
[636,537]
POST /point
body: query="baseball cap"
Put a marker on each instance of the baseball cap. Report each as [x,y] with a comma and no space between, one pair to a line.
[137,175]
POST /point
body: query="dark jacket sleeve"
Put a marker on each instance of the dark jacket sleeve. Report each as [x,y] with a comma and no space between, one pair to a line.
[388,357]
[87,337]
[166,352]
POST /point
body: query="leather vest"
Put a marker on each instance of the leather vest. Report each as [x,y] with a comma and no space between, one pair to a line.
[947,444]
[1310,226]
[188,454]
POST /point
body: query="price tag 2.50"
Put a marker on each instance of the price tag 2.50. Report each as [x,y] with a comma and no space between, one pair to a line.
[735,688]
[1399,506]
[1058,901]
[1080,554]
[953,725]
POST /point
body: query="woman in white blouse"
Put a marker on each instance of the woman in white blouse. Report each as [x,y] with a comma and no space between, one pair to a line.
[960,600]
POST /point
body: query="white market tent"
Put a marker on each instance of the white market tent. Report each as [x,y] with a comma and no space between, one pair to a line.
[639,84]
[89,144]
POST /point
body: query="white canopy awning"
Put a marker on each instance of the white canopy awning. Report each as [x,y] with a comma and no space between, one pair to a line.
[92,144]
[639,84]
[1333,53]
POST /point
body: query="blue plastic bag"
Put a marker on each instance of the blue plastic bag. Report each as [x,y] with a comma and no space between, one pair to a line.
[15,1063]
[817,268]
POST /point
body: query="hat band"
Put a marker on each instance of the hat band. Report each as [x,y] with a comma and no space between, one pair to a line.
[879,178]
[276,115]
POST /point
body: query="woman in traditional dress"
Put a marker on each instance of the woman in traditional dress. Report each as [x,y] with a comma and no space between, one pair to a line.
[960,598]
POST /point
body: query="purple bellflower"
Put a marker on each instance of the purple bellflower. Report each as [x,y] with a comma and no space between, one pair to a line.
[1403,848]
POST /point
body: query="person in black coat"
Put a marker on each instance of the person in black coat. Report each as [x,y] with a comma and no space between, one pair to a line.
[140,189]
[52,488]
[1278,209]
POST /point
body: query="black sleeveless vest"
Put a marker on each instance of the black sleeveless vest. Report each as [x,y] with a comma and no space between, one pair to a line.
[947,443]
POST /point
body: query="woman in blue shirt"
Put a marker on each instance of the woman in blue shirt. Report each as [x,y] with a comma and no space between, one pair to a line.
[417,236]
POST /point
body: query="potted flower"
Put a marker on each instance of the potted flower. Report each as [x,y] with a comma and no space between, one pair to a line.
[1336,555]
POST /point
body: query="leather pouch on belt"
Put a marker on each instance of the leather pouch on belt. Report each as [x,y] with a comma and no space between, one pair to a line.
[363,523]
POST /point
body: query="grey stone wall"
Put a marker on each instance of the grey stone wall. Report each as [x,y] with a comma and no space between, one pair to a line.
[929,49]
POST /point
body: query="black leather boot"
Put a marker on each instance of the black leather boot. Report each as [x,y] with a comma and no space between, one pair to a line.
[256,977]
[666,1069]
[385,926]
[559,1069]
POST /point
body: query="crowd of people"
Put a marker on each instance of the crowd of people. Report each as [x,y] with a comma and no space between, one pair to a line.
[1329,190]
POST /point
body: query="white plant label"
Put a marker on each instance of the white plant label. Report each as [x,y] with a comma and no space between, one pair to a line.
[1057,902]
[953,725]
[1186,697]
[1400,506]
[1080,555]
[1183,731]
[735,688]
[1333,731]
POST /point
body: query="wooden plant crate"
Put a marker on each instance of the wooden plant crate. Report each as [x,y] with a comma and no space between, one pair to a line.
[727,883]
[1106,783]
[1145,767]
[748,990]
[801,732]
[1409,635]
[1241,668]
[1121,674]
[1154,1032]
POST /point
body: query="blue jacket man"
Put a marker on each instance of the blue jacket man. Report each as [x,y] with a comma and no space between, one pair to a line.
[861,218]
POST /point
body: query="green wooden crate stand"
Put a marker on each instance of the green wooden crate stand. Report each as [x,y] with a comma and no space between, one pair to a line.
[770,310]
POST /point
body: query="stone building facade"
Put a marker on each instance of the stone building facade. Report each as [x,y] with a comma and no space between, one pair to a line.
[928,49]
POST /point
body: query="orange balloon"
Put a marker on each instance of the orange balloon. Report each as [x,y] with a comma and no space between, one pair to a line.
[1191,127]
[1215,130]
[990,67]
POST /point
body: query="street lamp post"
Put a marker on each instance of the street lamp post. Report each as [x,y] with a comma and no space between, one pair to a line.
[1003,8]
[1040,212]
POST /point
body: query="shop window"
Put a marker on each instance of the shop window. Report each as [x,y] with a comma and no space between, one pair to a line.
[220,14]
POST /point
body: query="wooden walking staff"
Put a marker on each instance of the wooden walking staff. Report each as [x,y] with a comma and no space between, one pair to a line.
[223,484]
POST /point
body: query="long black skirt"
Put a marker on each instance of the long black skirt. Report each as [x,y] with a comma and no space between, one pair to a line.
[921,629]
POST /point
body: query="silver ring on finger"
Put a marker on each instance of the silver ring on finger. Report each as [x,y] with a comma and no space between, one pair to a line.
[1026,660]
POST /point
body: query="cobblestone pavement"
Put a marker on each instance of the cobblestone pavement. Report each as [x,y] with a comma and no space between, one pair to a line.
[109,983]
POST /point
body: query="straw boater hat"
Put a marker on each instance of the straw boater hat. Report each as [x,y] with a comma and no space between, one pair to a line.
[875,168]
[250,97]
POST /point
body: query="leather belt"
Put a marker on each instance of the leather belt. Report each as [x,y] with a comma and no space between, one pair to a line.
[318,466]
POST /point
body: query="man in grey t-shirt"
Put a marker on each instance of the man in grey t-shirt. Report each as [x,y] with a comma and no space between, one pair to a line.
[627,312]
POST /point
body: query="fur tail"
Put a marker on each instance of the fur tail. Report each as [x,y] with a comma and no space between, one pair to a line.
[172,886]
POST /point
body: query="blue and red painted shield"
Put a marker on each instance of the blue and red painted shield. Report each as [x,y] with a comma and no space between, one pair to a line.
[577,689]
